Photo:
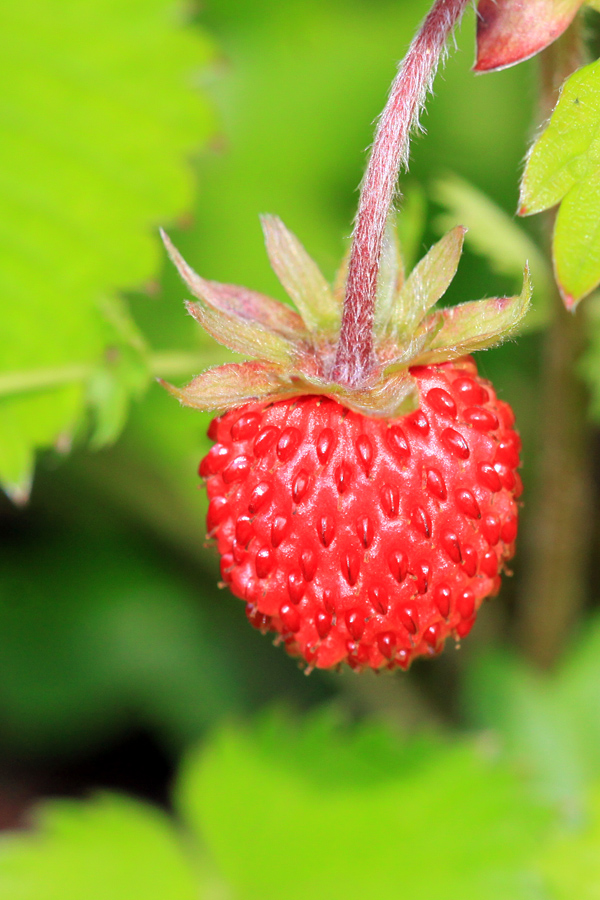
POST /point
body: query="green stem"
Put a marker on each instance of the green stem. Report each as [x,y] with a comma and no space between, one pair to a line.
[180,364]
[167,364]
[42,379]
[558,538]
[559,534]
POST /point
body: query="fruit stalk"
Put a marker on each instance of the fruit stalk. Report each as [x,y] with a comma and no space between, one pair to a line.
[559,526]
[354,358]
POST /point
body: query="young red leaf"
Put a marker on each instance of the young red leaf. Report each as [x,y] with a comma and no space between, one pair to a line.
[510,31]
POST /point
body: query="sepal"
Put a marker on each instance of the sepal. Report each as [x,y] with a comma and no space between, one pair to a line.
[477,325]
[233,384]
[301,278]
[383,396]
[293,361]
[239,302]
[391,277]
[390,397]
[244,337]
[426,284]
[230,385]
[395,356]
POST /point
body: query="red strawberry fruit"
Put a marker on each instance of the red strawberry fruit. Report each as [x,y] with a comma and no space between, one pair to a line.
[363,487]
[362,525]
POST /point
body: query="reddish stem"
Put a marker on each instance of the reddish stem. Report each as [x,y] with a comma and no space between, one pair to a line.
[354,359]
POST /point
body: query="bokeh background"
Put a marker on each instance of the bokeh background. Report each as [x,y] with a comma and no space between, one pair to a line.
[152,745]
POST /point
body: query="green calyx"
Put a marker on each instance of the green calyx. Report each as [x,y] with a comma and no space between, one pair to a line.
[293,352]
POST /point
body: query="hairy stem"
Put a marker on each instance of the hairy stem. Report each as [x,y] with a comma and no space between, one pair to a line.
[354,359]
[558,540]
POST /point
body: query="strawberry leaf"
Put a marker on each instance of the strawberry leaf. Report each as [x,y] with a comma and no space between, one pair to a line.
[576,244]
[99,118]
[301,277]
[564,167]
[510,31]
[567,151]
[110,846]
[123,375]
[570,862]
[549,722]
[452,797]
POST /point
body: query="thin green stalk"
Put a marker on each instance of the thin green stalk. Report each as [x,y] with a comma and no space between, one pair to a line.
[167,364]
[557,544]
[42,379]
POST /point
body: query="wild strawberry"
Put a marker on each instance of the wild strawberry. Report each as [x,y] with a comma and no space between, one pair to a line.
[363,525]
[366,540]
[363,483]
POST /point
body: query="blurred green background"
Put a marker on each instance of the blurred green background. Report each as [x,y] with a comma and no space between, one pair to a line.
[156,745]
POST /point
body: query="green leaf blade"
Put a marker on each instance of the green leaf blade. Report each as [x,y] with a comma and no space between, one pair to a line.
[344,810]
[576,241]
[570,864]
[569,147]
[564,167]
[98,114]
[108,847]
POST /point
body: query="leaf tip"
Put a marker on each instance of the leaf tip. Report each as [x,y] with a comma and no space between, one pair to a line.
[268,221]
[194,310]
[166,241]
[480,67]
[485,65]
[569,300]
[19,493]
[511,32]
[527,290]
[171,389]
